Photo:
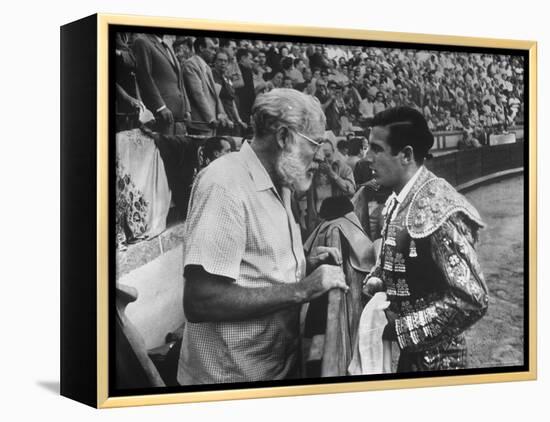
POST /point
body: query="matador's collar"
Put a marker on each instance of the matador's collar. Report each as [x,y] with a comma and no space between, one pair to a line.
[433,201]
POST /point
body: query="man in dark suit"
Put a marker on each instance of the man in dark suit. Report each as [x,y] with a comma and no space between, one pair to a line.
[163,93]
[246,93]
[161,84]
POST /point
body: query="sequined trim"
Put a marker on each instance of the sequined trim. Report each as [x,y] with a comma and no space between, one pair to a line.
[399,263]
[412,250]
[415,327]
[399,288]
[432,204]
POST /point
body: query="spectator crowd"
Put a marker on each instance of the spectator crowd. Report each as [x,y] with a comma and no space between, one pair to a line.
[219,79]
[206,87]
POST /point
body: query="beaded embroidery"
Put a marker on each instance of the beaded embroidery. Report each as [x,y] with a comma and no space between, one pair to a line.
[412,250]
[402,288]
[390,289]
[399,263]
[432,204]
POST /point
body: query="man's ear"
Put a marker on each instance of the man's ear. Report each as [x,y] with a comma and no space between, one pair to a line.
[282,136]
[408,154]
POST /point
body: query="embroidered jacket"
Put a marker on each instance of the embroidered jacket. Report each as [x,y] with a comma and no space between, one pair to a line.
[430,269]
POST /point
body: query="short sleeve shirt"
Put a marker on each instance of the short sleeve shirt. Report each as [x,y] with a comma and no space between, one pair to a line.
[240,228]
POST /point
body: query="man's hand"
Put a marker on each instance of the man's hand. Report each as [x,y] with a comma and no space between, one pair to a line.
[372,286]
[166,116]
[224,121]
[135,103]
[371,185]
[324,255]
[323,279]
[150,133]
[327,169]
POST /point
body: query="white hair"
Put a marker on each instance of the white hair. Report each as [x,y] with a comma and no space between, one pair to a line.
[290,108]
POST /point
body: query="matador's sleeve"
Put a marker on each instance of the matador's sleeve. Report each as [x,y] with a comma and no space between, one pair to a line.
[465,299]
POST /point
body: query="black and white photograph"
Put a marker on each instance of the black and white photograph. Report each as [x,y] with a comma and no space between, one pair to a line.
[293,210]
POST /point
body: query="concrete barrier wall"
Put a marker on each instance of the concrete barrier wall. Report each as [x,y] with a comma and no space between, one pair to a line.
[459,167]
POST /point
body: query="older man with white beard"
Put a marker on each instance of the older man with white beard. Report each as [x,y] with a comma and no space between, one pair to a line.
[246,276]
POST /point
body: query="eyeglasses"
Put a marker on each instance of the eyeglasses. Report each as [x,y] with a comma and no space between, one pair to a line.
[307,138]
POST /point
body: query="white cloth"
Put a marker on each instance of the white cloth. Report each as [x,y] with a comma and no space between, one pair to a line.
[372,354]
[145,192]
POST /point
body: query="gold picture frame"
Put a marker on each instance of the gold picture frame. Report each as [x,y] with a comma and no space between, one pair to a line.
[100,218]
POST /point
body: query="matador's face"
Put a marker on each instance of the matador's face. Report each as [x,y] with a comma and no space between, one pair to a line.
[387,168]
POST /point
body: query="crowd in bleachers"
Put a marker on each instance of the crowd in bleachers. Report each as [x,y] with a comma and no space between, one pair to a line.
[455,91]
[206,87]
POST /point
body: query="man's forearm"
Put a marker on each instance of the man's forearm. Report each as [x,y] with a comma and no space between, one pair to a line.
[325,105]
[207,299]
[213,298]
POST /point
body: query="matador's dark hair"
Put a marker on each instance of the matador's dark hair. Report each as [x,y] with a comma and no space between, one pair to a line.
[407,127]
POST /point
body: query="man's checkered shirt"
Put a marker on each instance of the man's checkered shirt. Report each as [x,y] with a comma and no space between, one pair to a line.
[239,227]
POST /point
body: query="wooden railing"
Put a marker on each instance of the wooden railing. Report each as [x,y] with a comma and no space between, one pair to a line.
[134,368]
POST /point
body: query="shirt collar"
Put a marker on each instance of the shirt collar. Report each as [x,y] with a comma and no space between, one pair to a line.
[257,171]
[407,188]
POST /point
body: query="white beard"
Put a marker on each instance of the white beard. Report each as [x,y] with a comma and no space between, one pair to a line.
[292,171]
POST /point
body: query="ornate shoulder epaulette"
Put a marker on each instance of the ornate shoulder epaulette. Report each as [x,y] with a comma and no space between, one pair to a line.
[432,204]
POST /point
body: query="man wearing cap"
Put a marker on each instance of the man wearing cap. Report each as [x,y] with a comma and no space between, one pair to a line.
[427,264]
